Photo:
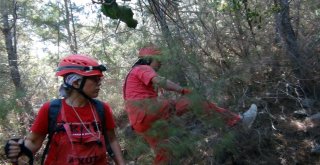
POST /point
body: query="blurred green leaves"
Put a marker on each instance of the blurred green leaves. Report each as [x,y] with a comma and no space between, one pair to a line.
[123,13]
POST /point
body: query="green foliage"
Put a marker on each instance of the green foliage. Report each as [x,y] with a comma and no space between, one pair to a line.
[181,147]
[136,147]
[275,8]
[123,13]
[317,12]
[229,5]
[9,99]
[46,21]
[253,16]
[176,139]
[5,108]
[111,10]
[225,145]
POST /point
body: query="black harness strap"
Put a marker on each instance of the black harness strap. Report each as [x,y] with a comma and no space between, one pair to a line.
[100,109]
[54,109]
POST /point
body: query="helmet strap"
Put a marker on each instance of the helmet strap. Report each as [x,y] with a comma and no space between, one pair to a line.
[83,81]
[80,89]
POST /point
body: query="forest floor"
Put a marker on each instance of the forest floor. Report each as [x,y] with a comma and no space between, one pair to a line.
[280,135]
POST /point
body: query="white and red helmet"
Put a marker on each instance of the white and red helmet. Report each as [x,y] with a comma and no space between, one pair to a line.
[80,64]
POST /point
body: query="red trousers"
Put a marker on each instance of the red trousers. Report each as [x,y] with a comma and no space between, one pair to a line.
[144,113]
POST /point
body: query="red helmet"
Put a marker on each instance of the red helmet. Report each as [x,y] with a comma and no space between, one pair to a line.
[149,51]
[80,64]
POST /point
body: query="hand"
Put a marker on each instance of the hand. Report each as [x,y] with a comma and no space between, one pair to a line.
[185,91]
[13,149]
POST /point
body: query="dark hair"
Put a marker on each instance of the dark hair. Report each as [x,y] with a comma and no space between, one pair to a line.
[143,61]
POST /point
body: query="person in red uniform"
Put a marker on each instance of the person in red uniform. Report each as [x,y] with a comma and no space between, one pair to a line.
[82,142]
[144,107]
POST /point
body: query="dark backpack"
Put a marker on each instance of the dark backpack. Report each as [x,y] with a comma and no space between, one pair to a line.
[54,109]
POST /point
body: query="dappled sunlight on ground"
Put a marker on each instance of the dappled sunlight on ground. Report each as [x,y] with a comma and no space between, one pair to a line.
[301,125]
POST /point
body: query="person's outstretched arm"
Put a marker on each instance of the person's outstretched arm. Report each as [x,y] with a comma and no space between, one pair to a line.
[169,85]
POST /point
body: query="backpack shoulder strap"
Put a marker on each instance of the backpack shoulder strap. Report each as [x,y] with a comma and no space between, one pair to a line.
[54,109]
[100,110]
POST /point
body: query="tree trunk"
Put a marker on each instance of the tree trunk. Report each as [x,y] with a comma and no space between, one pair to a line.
[71,37]
[9,31]
[10,42]
[74,36]
[287,34]
[289,40]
